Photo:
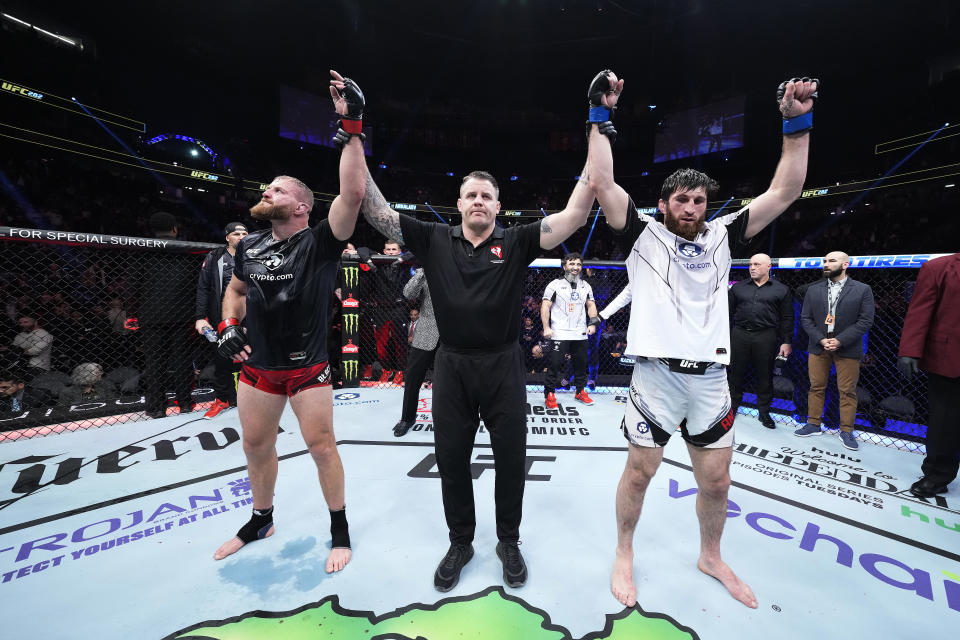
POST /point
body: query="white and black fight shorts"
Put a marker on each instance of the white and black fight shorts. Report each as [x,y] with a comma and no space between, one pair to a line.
[668,393]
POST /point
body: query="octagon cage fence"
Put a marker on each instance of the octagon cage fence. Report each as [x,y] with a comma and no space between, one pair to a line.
[86,291]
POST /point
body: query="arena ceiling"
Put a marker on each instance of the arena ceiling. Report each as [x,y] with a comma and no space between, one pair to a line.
[223,60]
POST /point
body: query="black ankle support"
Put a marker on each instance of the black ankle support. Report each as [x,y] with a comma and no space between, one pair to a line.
[257,527]
[339,530]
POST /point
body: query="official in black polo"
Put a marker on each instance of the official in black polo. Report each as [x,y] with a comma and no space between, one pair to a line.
[215,275]
[475,272]
[762,314]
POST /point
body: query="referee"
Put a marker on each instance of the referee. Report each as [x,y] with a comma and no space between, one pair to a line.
[476,272]
[762,314]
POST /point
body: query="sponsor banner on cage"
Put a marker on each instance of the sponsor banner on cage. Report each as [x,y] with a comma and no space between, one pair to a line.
[907,260]
[80,415]
[100,239]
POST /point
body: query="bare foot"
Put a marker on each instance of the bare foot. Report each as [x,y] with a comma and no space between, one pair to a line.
[338,559]
[621,581]
[738,589]
[233,545]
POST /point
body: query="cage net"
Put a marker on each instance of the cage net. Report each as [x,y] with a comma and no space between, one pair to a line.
[96,323]
[890,410]
[92,322]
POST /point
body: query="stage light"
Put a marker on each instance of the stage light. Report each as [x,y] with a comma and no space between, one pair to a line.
[652,106]
[10,17]
[513,178]
[577,178]
[382,165]
[948,186]
[449,174]
[194,152]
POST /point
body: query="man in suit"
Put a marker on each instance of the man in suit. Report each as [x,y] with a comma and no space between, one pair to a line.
[16,398]
[837,312]
[422,339]
[931,341]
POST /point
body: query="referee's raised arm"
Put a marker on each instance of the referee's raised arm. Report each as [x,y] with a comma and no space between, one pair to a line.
[559,226]
[378,212]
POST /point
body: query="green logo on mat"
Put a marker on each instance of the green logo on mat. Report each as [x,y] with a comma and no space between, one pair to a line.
[491,614]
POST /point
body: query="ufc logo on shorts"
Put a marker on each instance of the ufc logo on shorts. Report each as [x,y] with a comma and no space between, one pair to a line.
[688,364]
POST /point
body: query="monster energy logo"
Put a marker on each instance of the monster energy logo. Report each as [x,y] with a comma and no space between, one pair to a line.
[350,276]
[350,321]
[350,369]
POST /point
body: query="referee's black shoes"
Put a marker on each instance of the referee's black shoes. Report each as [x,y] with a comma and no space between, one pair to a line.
[514,568]
[447,574]
[401,428]
[927,488]
[766,420]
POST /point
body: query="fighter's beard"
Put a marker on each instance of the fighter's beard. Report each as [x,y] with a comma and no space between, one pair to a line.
[685,231]
[264,211]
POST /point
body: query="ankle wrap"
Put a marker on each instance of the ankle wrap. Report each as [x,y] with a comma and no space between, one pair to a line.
[257,527]
[339,530]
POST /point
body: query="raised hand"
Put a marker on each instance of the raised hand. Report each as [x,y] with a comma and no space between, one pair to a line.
[347,97]
[795,96]
[605,90]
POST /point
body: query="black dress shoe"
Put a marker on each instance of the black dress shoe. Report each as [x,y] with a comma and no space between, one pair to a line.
[447,574]
[767,421]
[927,488]
[401,428]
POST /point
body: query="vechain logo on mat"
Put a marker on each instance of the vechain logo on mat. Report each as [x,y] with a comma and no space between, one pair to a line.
[886,569]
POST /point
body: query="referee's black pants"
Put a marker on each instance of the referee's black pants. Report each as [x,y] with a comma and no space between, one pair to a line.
[558,364]
[757,348]
[418,361]
[471,384]
[943,429]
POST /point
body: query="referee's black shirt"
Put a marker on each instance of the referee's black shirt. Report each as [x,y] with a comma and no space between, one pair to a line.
[769,306]
[477,292]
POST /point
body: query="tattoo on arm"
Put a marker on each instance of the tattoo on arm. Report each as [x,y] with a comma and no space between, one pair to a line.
[379,214]
[545,226]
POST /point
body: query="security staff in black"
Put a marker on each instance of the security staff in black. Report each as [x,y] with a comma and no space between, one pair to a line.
[214,277]
[761,310]
[475,272]
[165,318]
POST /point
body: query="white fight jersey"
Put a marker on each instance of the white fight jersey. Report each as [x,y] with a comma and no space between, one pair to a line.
[679,287]
[568,315]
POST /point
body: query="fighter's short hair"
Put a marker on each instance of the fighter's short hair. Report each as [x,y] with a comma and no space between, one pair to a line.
[687,180]
[305,191]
